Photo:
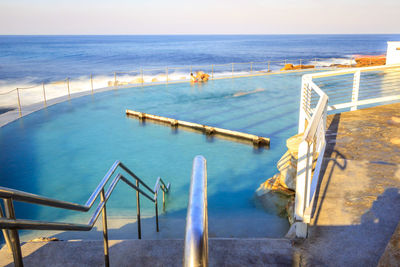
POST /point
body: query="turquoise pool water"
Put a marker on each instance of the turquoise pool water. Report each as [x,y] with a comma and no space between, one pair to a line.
[63,151]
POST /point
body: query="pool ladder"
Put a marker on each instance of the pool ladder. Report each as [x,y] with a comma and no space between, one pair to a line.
[10,224]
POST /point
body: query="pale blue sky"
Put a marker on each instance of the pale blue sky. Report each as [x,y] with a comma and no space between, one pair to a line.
[198,17]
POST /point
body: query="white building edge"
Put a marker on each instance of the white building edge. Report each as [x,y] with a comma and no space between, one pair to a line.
[393,53]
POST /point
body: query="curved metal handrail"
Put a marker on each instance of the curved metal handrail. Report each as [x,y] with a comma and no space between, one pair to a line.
[196,234]
[13,224]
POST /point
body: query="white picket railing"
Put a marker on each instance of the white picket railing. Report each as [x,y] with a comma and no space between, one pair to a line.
[333,91]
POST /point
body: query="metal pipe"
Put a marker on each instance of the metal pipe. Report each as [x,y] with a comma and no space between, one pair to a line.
[163,199]
[141,75]
[14,237]
[5,232]
[251,67]
[269,65]
[19,104]
[105,230]
[69,94]
[196,233]
[212,71]
[138,211]
[44,95]
[156,207]
[115,79]
[91,82]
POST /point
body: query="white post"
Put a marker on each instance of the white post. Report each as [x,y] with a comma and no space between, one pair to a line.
[356,88]
[310,159]
[304,100]
[301,189]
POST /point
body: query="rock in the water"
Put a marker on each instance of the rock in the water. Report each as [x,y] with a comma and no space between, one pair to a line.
[137,80]
[296,67]
[293,144]
[273,196]
[287,167]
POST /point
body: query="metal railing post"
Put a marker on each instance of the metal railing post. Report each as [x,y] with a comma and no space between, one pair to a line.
[196,232]
[13,233]
[163,197]
[251,67]
[141,75]
[69,94]
[5,232]
[212,71]
[44,95]
[301,188]
[356,89]
[156,207]
[303,102]
[19,104]
[191,69]
[91,82]
[269,62]
[139,227]
[105,230]
[115,79]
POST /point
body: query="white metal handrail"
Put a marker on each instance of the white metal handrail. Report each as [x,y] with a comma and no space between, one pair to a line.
[382,85]
[196,235]
[10,224]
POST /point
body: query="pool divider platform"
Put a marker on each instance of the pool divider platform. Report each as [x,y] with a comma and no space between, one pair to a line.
[208,130]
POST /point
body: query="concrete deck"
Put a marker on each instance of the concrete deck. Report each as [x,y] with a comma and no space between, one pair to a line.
[357,208]
[222,252]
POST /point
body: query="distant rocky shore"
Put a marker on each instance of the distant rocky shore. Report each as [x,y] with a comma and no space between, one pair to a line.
[361,61]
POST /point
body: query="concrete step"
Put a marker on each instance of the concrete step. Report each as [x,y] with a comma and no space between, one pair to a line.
[222,252]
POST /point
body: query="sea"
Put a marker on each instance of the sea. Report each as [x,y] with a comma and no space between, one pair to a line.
[26,60]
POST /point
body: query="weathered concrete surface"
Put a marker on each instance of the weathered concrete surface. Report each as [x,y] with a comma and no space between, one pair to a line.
[222,252]
[358,200]
[391,257]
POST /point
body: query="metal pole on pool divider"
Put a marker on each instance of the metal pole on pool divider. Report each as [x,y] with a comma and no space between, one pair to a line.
[19,104]
[212,71]
[115,79]
[44,95]
[251,67]
[268,65]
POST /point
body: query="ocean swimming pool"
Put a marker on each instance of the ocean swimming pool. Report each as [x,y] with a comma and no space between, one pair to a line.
[63,152]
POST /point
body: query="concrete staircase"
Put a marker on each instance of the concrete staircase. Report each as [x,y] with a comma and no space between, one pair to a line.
[222,252]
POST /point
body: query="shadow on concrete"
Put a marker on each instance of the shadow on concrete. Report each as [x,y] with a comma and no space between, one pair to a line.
[4,110]
[354,245]
[331,155]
